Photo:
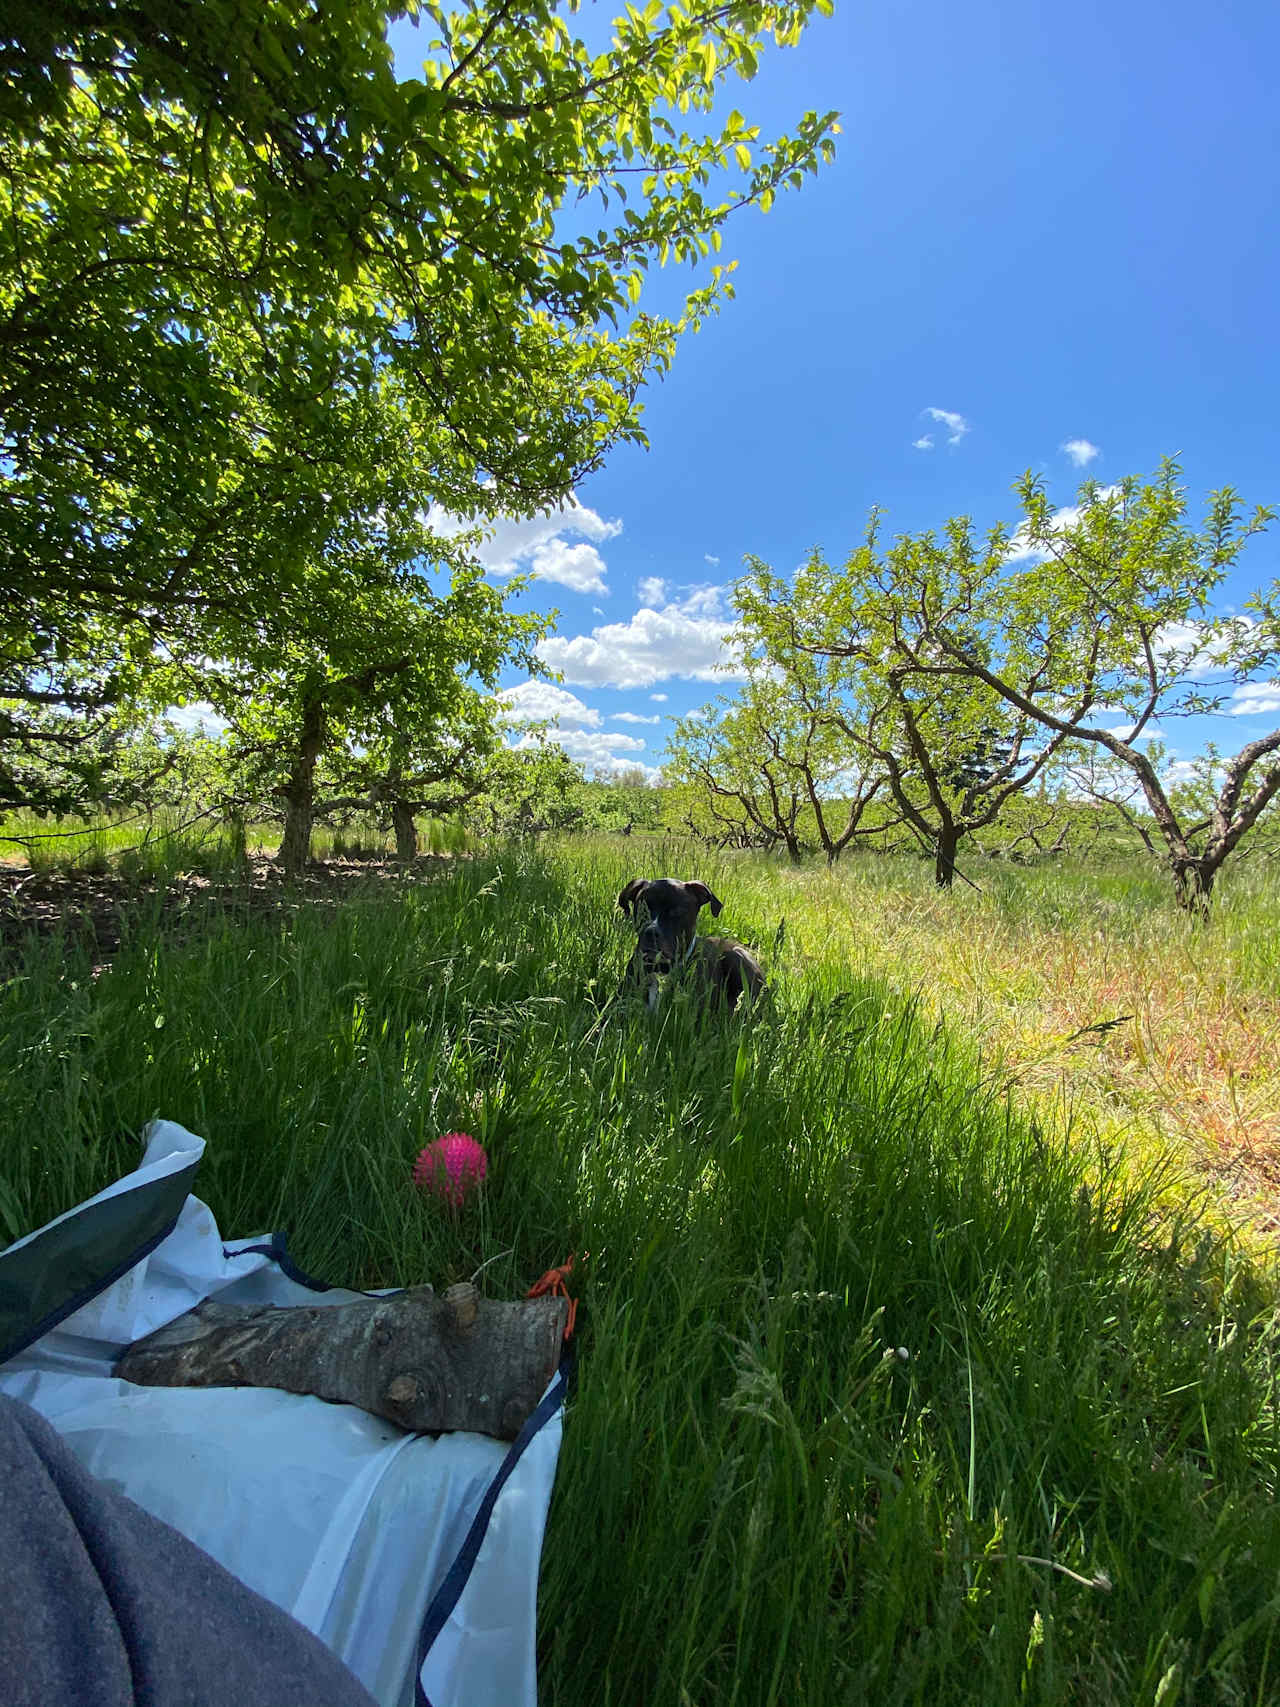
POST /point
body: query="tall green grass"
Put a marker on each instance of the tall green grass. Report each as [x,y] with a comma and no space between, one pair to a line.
[888,1392]
[154,847]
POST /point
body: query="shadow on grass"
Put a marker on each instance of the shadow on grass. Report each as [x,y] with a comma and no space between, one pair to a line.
[886,1393]
[102,908]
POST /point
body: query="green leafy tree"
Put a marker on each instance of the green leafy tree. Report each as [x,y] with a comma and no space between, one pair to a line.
[1050,820]
[1098,625]
[745,794]
[379,700]
[774,764]
[149,776]
[411,767]
[951,752]
[254,291]
[529,788]
[622,801]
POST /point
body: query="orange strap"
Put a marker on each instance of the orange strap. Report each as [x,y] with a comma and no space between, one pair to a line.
[554,1284]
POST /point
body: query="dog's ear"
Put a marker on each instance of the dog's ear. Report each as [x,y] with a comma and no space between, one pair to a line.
[631,894]
[703,896]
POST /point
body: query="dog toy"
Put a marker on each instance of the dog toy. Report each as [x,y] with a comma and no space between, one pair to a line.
[555,1284]
[451,1167]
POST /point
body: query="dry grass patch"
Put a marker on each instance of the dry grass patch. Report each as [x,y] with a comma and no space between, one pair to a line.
[1089,991]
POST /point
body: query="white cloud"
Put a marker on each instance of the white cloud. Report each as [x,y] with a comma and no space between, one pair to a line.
[1020,551]
[1080,451]
[197,718]
[595,749]
[658,698]
[541,543]
[652,591]
[956,425]
[589,744]
[924,442]
[1196,659]
[691,638]
[1123,732]
[713,561]
[633,716]
[542,701]
[700,601]
[579,567]
[1253,699]
[619,766]
[1177,636]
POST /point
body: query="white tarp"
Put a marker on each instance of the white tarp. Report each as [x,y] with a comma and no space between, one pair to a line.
[376,1540]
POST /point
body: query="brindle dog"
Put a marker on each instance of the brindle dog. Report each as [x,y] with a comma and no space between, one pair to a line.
[669,945]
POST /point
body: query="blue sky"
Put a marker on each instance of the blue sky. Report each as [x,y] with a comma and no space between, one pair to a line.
[1053,224]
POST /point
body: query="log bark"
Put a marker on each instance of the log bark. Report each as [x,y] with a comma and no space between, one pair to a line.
[425,1362]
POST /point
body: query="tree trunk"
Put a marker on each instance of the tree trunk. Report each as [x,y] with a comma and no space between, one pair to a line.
[424,1362]
[300,792]
[944,869]
[237,839]
[406,831]
[1193,885]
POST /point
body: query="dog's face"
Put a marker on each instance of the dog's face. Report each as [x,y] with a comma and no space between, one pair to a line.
[667,913]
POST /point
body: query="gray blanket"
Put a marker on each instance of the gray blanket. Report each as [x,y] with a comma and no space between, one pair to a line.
[101,1602]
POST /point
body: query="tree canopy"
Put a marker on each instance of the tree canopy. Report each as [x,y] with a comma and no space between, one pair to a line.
[1108,610]
[965,670]
[847,643]
[776,764]
[260,300]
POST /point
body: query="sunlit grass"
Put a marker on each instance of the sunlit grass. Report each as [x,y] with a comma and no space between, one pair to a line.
[153,846]
[1079,985]
[891,1387]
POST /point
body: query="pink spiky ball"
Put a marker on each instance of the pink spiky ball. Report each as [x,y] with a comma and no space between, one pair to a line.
[451,1167]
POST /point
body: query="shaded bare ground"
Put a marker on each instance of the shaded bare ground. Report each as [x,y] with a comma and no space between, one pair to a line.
[98,909]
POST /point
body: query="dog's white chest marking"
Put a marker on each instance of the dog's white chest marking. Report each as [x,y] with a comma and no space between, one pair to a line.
[652,995]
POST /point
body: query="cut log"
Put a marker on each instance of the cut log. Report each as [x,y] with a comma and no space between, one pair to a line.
[427,1363]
